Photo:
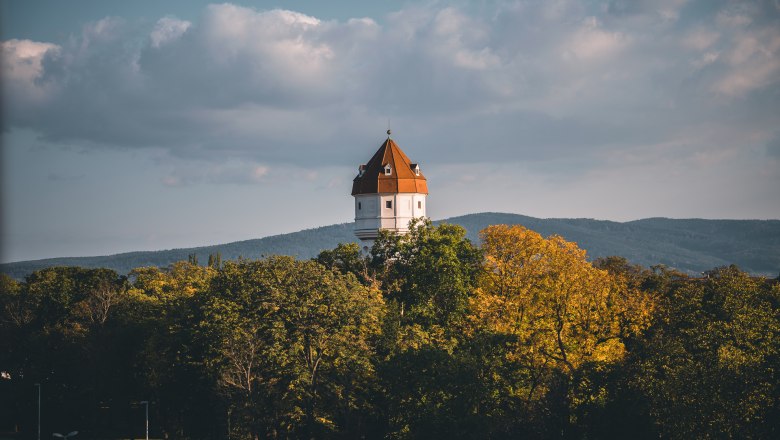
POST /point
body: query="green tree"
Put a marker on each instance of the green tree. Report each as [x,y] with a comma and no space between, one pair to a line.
[347,258]
[63,325]
[215,260]
[710,368]
[429,274]
[161,315]
[291,345]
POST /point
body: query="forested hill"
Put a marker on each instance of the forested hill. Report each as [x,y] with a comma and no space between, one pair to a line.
[690,245]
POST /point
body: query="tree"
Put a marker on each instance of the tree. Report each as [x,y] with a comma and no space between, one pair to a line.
[429,274]
[179,281]
[162,314]
[63,335]
[711,366]
[215,260]
[427,277]
[17,313]
[291,344]
[566,316]
[347,258]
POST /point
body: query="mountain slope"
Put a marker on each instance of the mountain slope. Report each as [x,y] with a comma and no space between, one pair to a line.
[691,245]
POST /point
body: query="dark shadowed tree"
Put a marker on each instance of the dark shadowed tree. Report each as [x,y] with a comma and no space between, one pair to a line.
[427,276]
[711,366]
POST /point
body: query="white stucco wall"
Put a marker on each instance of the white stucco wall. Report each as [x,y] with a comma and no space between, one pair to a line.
[372,213]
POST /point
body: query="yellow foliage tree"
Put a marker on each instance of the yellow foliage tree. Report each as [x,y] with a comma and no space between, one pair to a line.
[560,310]
[161,286]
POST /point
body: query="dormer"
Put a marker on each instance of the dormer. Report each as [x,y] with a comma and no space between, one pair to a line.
[388,170]
[415,168]
[361,170]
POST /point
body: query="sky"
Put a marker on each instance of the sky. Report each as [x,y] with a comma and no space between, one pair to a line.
[151,125]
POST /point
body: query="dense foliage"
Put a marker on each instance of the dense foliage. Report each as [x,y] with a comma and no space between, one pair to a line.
[427,336]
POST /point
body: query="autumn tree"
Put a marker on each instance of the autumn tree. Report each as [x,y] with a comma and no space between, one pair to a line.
[564,315]
[178,281]
[426,337]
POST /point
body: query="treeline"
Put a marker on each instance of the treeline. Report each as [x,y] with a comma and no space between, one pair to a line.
[427,336]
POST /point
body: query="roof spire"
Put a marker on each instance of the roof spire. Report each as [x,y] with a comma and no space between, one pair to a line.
[388,133]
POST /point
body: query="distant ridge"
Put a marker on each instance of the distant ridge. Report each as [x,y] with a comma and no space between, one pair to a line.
[689,245]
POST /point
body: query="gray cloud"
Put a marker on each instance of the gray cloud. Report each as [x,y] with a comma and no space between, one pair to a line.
[773,146]
[236,173]
[57,177]
[517,81]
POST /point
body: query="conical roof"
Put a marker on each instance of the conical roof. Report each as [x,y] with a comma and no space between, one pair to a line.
[402,178]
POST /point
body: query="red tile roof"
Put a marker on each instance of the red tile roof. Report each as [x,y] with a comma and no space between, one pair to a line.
[401,180]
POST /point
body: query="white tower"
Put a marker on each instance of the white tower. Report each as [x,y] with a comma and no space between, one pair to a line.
[389,192]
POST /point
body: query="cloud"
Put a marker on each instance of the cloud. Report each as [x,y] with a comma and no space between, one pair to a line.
[514,81]
[167,29]
[22,73]
[57,177]
[22,59]
[228,172]
[773,146]
[700,39]
[592,42]
[753,62]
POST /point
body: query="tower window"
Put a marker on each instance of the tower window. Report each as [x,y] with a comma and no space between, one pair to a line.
[360,206]
[388,170]
[389,204]
[419,204]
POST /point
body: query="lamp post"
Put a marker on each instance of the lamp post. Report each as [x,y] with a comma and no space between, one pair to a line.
[39,410]
[65,436]
[146,403]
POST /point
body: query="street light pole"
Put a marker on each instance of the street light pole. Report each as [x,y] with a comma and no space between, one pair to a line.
[39,410]
[146,402]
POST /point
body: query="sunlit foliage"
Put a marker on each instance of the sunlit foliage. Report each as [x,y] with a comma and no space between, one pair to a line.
[426,336]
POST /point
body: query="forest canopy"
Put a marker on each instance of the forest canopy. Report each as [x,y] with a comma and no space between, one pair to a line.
[425,336]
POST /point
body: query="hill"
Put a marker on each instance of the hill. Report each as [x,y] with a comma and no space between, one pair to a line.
[690,245]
